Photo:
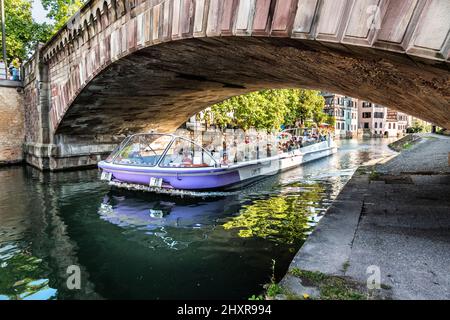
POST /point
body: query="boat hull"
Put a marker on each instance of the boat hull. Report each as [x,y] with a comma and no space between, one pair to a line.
[217,178]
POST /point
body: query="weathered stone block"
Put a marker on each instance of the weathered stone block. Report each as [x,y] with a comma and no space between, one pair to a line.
[12,127]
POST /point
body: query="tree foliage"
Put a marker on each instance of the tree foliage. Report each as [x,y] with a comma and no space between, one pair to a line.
[22,32]
[61,10]
[270,109]
[418,126]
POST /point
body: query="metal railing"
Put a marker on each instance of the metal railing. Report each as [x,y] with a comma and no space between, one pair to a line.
[10,73]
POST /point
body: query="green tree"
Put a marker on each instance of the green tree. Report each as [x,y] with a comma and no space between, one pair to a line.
[269,109]
[22,32]
[61,10]
[331,120]
[222,113]
[305,106]
[260,110]
[418,126]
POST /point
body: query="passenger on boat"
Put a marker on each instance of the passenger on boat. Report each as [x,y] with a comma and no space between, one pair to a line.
[187,159]
[300,142]
[269,150]
[233,151]
[247,155]
[175,159]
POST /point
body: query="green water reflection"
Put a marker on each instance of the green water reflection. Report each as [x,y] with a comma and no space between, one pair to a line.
[20,276]
[286,218]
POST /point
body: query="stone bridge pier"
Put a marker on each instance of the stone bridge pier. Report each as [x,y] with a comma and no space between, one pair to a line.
[42,147]
[124,66]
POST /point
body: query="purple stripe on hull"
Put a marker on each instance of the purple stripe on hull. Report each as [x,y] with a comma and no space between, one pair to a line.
[150,170]
[187,182]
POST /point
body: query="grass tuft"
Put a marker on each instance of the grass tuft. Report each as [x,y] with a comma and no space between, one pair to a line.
[330,287]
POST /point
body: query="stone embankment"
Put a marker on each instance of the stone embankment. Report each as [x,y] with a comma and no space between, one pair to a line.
[405,143]
[12,128]
[392,218]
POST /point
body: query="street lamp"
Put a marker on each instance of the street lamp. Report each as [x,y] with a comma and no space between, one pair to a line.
[2,5]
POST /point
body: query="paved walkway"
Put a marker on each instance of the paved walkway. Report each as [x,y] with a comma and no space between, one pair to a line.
[400,223]
[429,156]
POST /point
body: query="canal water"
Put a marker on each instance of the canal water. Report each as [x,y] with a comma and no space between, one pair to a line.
[130,245]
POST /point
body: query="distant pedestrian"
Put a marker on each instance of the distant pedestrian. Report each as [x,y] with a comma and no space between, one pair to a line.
[14,69]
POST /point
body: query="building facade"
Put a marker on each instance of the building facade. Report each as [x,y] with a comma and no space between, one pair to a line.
[371,119]
[396,123]
[379,121]
[345,111]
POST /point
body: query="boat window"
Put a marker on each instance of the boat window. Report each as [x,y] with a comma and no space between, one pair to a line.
[143,150]
[116,151]
[186,154]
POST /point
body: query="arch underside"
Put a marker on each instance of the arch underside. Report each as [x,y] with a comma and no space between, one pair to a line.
[161,86]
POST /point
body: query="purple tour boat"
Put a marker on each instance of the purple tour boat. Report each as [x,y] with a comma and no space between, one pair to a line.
[156,161]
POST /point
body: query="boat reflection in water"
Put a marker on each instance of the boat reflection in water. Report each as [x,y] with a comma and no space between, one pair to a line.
[173,222]
[177,222]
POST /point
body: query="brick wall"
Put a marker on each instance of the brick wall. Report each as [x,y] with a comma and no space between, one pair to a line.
[12,131]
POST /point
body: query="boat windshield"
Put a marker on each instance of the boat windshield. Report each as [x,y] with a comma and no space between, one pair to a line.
[142,149]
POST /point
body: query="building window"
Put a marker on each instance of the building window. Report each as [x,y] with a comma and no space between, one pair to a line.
[367,115]
[393,126]
[381,125]
[366,125]
[389,126]
[378,114]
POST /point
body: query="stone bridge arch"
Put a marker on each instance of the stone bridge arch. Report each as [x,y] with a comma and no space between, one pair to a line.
[136,65]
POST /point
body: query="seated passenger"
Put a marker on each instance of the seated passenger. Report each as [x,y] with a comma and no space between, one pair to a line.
[224,159]
[175,159]
[187,159]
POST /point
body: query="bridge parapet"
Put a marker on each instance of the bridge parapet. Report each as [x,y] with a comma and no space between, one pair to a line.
[417,27]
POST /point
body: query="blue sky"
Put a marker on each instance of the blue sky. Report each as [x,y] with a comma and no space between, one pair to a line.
[39,14]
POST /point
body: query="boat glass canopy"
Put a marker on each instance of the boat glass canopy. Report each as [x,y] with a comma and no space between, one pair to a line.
[142,149]
[166,150]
